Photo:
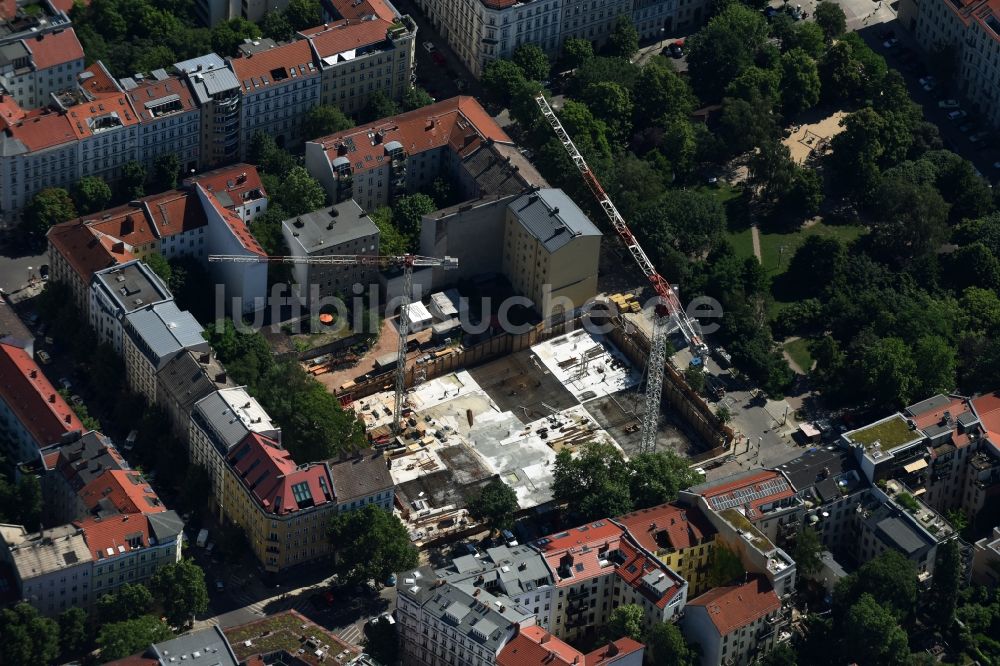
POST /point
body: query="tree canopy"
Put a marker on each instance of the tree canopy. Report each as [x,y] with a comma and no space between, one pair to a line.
[121,639]
[371,543]
[180,587]
[28,638]
[496,505]
[47,208]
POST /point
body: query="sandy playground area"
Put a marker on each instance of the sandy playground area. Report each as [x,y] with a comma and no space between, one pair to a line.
[814,136]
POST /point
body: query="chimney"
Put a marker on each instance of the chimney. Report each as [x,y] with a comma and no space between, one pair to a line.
[52,397]
[34,374]
[546,638]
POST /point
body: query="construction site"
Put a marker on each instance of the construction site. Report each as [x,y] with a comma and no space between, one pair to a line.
[507,418]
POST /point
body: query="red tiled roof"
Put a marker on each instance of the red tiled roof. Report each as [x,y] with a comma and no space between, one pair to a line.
[459,122]
[682,527]
[987,407]
[151,90]
[114,532]
[956,405]
[85,250]
[585,552]
[50,459]
[269,473]
[97,81]
[32,398]
[10,111]
[54,48]
[174,212]
[236,225]
[43,128]
[533,645]
[334,38]
[126,490]
[736,606]
[66,5]
[751,492]
[241,182]
[355,9]
[82,115]
[295,55]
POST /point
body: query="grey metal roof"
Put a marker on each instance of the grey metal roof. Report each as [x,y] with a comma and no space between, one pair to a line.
[128,83]
[519,569]
[220,80]
[360,476]
[186,380]
[166,525]
[132,286]
[162,330]
[328,227]
[930,404]
[207,61]
[488,619]
[552,217]
[232,414]
[900,535]
[11,326]
[202,647]
[160,74]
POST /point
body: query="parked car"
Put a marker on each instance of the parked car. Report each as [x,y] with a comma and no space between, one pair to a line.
[890,43]
[43,270]
[508,537]
[429,47]
[948,104]
[438,58]
[391,581]
[76,399]
[44,357]
[996,165]
[978,137]
[887,34]
[957,115]
[967,127]
[65,383]
[219,585]
[677,49]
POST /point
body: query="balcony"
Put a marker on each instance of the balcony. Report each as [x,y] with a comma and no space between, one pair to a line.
[577,595]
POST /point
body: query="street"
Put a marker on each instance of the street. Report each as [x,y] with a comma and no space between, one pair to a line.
[16,269]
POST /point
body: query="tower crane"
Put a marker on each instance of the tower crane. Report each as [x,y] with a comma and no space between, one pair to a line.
[406,262]
[668,306]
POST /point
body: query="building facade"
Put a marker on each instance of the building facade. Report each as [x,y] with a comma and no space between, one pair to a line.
[169,120]
[153,336]
[734,625]
[118,291]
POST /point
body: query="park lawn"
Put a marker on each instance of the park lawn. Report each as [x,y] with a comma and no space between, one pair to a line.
[798,350]
[777,250]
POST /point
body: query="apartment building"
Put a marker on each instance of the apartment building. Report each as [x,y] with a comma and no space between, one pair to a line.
[39,52]
[551,251]
[341,229]
[986,560]
[53,568]
[217,93]
[183,381]
[33,415]
[237,187]
[362,479]
[377,162]
[598,567]
[533,646]
[219,422]
[69,468]
[972,29]
[169,119]
[367,52]
[118,291]
[453,623]
[283,508]
[153,336]
[279,86]
[734,625]
[201,647]
[681,537]
[12,329]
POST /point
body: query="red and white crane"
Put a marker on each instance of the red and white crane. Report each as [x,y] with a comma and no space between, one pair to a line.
[406,262]
[669,306]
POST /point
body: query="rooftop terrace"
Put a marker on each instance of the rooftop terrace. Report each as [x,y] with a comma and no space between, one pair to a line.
[887,434]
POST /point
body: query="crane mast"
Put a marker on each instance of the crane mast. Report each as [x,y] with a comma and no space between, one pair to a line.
[407,262]
[668,306]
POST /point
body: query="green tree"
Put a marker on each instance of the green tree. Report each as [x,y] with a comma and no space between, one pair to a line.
[800,84]
[724,566]
[745,125]
[266,153]
[577,51]
[657,477]
[126,603]
[667,647]
[807,36]
[302,14]
[663,95]
[47,208]
[532,61]
[91,194]
[756,85]
[196,489]
[28,638]
[74,635]
[804,194]
[276,26]
[166,170]
[180,589]
[909,220]
[228,35]
[831,19]
[121,639]
[500,79]
[723,48]
[133,182]
[875,636]
[496,505]
[890,579]
[945,584]
[781,654]
[815,264]
[326,119]
[382,641]
[390,240]
[408,210]
[858,151]
[936,365]
[371,543]
[160,266]
[889,372]
[808,549]
[379,106]
[723,414]
[627,621]
[695,378]
[594,484]
[612,104]
[624,39]
[300,193]
[416,98]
